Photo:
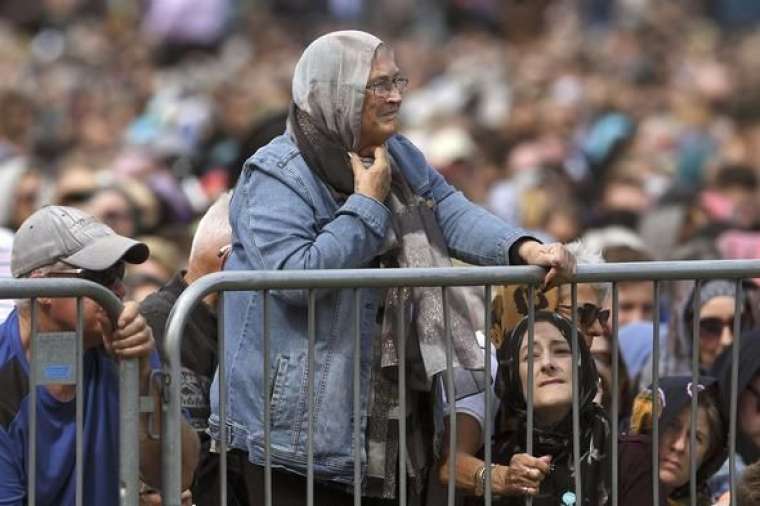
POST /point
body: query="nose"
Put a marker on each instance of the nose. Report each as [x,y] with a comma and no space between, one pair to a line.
[394,96]
[680,442]
[546,363]
[726,336]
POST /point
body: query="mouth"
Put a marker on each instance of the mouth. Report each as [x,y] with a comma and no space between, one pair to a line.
[671,465]
[550,382]
[389,115]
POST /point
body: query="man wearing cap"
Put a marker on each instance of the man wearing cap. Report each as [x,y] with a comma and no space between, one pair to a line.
[65,242]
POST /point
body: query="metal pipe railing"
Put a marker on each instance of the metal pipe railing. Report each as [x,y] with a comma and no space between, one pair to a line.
[437,277]
[128,381]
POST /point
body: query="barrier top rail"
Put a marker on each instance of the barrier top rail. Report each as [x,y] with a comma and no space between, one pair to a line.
[28,288]
[380,278]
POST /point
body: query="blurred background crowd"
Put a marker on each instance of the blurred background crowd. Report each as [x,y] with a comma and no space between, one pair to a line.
[634,117]
[632,124]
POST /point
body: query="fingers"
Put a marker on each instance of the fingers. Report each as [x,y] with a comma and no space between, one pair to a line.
[356,162]
[132,337]
[381,157]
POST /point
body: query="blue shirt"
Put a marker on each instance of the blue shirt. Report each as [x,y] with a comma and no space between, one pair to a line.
[56,430]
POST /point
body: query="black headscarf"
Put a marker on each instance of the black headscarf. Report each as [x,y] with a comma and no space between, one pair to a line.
[749,367]
[557,441]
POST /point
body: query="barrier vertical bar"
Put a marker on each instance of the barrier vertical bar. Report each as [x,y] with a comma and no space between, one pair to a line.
[738,307]
[615,393]
[129,427]
[489,396]
[32,468]
[79,469]
[357,399]
[402,399]
[656,408]
[222,401]
[451,397]
[310,392]
[576,400]
[694,398]
[266,348]
[531,376]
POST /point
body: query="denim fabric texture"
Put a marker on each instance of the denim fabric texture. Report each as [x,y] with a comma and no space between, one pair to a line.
[284,218]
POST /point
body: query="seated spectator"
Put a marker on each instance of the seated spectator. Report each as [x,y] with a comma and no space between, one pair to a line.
[675,395]
[65,242]
[199,344]
[548,475]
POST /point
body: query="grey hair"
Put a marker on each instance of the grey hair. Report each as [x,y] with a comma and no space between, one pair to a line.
[587,255]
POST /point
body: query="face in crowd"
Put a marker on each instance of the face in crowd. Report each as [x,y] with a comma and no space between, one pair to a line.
[635,302]
[716,328]
[674,447]
[748,411]
[552,372]
[382,100]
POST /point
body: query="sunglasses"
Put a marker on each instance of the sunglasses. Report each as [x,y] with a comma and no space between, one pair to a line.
[108,278]
[588,313]
[711,327]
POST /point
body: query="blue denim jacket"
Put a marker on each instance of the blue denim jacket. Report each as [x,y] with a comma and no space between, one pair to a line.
[284,217]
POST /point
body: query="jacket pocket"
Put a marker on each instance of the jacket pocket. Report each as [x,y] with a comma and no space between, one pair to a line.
[278,391]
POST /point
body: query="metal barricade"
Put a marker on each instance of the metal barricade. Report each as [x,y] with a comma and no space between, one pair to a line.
[439,277]
[128,381]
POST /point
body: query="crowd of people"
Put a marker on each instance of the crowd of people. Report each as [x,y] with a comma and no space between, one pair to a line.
[547,133]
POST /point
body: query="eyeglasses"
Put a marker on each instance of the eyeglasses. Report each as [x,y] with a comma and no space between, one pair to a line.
[108,278]
[711,327]
[588,313]
[383,88]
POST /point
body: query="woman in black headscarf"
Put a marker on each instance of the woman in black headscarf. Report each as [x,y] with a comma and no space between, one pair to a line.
[552,401]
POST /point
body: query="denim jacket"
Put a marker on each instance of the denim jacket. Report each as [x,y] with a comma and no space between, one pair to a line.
[284,217]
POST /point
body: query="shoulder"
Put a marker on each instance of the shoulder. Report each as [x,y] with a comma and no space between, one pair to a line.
[280,152]
[14,379]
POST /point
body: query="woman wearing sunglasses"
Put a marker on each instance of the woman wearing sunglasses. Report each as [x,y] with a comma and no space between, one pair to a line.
[717,306]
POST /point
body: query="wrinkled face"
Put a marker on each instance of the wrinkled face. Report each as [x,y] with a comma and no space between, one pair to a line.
[716,330]
[586,295]
[674,448]
[380,113]
[749,410]
[635,302]
[552,373]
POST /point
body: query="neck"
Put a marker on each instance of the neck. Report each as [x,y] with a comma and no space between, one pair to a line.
[550,417]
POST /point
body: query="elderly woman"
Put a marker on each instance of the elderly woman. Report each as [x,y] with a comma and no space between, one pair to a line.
[675,393]
[548,476]
[341,190]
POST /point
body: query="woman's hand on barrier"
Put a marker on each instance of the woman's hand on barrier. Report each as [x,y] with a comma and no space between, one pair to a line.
[524,474]
[555,257]
[132,337]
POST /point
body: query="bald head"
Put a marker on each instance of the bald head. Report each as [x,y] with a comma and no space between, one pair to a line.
[213,233]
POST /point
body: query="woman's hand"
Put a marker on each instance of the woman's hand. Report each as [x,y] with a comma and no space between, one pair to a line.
[523,476]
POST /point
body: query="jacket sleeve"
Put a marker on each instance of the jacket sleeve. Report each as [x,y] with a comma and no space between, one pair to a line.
[279,229]
[12,483]
[472,234]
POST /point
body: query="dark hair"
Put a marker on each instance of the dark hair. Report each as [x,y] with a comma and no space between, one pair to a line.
[731,176]
[625,253]
[748,486]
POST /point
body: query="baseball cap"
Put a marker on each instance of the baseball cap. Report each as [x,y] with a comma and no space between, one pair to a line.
[58,233]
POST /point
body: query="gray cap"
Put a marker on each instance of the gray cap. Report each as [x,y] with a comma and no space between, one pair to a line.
[57,233]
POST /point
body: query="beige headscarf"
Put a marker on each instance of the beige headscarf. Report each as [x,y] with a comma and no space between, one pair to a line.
[329,82]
